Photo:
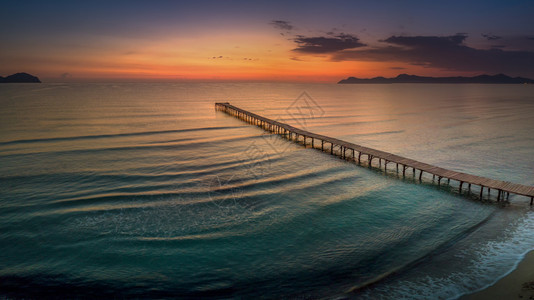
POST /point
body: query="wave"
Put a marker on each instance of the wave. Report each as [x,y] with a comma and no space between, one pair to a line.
[102,136]
[356,123]
[184,145]
[209,188]
[361,288]
[478,266]
[378,133]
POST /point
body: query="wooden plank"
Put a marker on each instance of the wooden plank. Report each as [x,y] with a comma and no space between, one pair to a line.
[505,186]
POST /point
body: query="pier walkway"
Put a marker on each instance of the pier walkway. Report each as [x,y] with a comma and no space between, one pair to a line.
[354,152]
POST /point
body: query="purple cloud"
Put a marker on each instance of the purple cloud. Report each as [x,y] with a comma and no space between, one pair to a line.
[491,37]
[321,45]
[444,52]
[282,25]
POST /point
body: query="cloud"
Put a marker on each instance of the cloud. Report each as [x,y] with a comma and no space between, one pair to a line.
[419,64]
[443,52]
[282,25]
[321,44]
[428,41]
[514,42]
[65,76]
[397,68]
[491,37]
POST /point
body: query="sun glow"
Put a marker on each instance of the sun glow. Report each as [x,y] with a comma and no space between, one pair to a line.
[248,42]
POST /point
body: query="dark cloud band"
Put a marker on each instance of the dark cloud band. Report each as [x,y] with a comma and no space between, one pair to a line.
[447,52]
[282,25]
[491,37]
[321,45]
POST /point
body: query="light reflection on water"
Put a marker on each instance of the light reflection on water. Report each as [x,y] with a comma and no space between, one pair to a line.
[147,186]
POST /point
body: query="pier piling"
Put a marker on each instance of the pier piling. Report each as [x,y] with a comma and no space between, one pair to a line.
[504,188]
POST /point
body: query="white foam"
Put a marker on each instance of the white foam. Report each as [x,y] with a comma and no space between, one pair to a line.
[489,263]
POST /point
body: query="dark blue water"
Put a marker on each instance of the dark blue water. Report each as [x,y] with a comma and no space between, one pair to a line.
[144,190]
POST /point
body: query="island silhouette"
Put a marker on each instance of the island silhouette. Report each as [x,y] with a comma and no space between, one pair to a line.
[405,78]
[20,78]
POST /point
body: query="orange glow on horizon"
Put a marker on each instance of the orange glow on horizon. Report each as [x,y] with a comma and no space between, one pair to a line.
[239,57]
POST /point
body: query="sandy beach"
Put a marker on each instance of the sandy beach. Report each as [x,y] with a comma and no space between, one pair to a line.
[517,285]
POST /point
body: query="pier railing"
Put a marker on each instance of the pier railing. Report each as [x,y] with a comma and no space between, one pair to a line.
[354,152]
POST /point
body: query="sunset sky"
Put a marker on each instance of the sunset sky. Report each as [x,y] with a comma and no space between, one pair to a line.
[296,41]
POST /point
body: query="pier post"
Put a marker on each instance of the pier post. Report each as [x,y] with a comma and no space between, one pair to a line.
[274,127]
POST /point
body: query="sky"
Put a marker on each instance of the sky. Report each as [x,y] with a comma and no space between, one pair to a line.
[271,41]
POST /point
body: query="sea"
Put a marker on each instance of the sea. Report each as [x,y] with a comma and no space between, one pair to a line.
[144,190]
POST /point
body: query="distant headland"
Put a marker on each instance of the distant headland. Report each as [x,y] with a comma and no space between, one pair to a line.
[20,78]
[405,78]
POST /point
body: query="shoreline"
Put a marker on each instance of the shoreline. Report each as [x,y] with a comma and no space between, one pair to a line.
[518,284]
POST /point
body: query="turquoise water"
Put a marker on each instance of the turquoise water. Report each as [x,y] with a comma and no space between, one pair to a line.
[144,190]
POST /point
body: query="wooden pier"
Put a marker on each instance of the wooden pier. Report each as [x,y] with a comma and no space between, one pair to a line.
[354,152]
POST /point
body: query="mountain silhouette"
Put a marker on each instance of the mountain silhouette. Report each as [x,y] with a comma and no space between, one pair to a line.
[405,78]
[19,78]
